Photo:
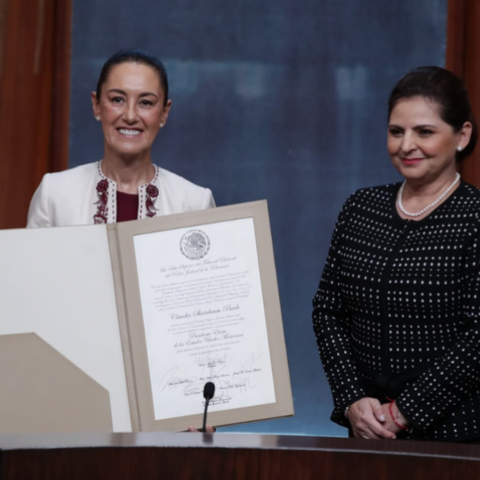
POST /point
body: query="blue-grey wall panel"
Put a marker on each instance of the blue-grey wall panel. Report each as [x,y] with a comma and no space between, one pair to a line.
[277,99]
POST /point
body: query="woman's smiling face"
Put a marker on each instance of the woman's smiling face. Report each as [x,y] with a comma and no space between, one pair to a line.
[421,145]
[132,109]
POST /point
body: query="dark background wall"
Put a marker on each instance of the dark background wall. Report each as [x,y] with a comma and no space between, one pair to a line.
[276,99]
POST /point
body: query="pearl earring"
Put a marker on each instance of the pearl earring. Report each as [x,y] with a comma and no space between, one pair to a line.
[97,118]
[459,148]
[161,125]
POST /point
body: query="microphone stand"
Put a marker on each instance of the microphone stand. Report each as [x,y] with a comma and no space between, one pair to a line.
[208,393]
[204,429]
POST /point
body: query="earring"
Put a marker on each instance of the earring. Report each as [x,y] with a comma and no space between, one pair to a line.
[97,118]
[161,125]
[459,148]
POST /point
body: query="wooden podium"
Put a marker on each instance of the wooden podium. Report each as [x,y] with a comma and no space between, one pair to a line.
[146,456]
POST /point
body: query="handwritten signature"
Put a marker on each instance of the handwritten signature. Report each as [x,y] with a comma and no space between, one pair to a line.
[214,368]
[211,361]
[170,380]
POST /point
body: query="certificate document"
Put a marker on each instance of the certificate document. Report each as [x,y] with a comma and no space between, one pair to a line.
[198,302]
[204,319]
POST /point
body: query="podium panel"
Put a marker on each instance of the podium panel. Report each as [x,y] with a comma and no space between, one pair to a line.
[189,456]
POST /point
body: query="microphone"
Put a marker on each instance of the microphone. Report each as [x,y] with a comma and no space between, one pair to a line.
[208,393]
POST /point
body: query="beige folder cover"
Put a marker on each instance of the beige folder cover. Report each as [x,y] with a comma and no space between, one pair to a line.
[58,284]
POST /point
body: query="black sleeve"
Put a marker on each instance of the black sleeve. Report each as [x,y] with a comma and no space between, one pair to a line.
[331,324]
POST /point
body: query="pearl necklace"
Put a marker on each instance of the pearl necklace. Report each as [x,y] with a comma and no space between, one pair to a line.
[428,207]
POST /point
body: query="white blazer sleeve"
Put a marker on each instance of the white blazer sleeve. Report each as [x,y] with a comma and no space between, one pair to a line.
[38,211]
[208,201]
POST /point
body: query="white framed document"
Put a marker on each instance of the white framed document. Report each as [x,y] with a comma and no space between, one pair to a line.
[198,301]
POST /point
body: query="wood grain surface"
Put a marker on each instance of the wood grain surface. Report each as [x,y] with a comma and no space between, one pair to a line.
[230,456]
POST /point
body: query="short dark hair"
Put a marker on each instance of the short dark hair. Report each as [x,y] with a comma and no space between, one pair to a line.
[134,55]
[447,90]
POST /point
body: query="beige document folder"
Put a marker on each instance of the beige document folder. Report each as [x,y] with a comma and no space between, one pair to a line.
[77,289]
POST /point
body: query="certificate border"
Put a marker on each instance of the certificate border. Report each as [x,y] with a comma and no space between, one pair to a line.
[139,384]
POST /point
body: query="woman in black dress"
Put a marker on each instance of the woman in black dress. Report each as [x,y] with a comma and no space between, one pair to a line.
[397,311]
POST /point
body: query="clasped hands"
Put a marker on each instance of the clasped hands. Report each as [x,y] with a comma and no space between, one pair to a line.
[372,420]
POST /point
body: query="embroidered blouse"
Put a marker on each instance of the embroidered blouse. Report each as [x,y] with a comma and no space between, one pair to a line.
[107,198]
[83,195]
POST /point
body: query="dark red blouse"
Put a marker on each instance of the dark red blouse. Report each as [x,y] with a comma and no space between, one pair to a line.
[127,206]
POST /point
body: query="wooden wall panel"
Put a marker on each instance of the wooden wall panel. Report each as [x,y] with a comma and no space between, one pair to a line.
[462,58]
[33,119]
[3,24]
[61,85]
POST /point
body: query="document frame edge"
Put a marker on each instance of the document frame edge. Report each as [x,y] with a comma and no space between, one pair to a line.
[126,232]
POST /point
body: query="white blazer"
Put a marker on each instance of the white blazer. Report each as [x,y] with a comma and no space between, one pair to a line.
[83,195]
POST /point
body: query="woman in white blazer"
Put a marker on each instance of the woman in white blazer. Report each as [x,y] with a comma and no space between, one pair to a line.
[131,102]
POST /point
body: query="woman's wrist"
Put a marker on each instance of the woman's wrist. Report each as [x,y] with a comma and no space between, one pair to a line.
[397,416]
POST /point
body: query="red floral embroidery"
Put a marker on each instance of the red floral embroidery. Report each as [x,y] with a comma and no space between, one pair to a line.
[152,191]
[102,186]
[152,194]
[102,210]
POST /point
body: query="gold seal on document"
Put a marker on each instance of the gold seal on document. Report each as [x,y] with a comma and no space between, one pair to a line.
[195,244]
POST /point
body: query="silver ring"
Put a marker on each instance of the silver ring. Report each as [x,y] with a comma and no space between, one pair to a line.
[365,437]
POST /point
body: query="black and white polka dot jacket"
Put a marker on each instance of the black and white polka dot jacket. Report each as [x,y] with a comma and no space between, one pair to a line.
[401,299]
